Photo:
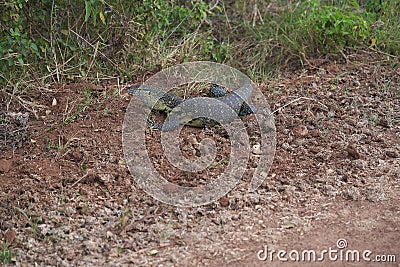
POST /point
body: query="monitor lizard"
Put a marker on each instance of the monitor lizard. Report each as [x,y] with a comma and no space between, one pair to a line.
[206,108]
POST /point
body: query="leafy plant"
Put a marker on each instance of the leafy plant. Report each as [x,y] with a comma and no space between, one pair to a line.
[94,8]
[386,16]
[63,41]
[15,42]
[334,26]
[5,254]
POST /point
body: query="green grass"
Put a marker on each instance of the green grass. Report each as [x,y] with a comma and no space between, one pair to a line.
[387,27]
[74,115]
[5,254]
[93,40]
[32,220]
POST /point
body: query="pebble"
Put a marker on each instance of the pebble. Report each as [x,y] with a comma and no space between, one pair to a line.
[10,236]
[352,150]
[300,131]
[257,149]
[224,201]
[5,166]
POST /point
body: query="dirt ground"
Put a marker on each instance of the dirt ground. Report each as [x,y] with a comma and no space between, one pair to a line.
[67,197]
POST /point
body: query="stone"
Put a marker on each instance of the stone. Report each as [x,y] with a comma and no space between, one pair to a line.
[5,165]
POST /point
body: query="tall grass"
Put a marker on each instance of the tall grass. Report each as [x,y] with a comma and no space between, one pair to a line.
[63,41]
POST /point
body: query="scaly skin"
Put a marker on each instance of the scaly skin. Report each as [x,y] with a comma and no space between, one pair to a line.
[205,107]
[246,108]
[149,94]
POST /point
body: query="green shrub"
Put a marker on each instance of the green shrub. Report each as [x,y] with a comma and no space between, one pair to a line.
[64,40]
[333,27]
[15,44]
[94,38]
[386,26]
[5,254]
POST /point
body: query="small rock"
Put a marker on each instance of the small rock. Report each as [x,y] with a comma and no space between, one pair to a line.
[374,195]
[335,145]
[315,133]
[330,190]
[91,245]
[352,150]
[392,154]
[353,193]
[287,146]
[288,225]
[10,235]
[300,131]
[5,165]
[76,156]
[330,171]
[153,252]
[45,229]
[109,234]
[384,123]
[236,217]
[224,201]
[54,102]
[192,140]
[257,149]
[314,150]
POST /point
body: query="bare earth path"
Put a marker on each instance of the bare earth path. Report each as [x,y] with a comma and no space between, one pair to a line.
[67,197]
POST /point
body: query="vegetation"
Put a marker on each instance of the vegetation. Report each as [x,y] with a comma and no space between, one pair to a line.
[63,41]
[5,254]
